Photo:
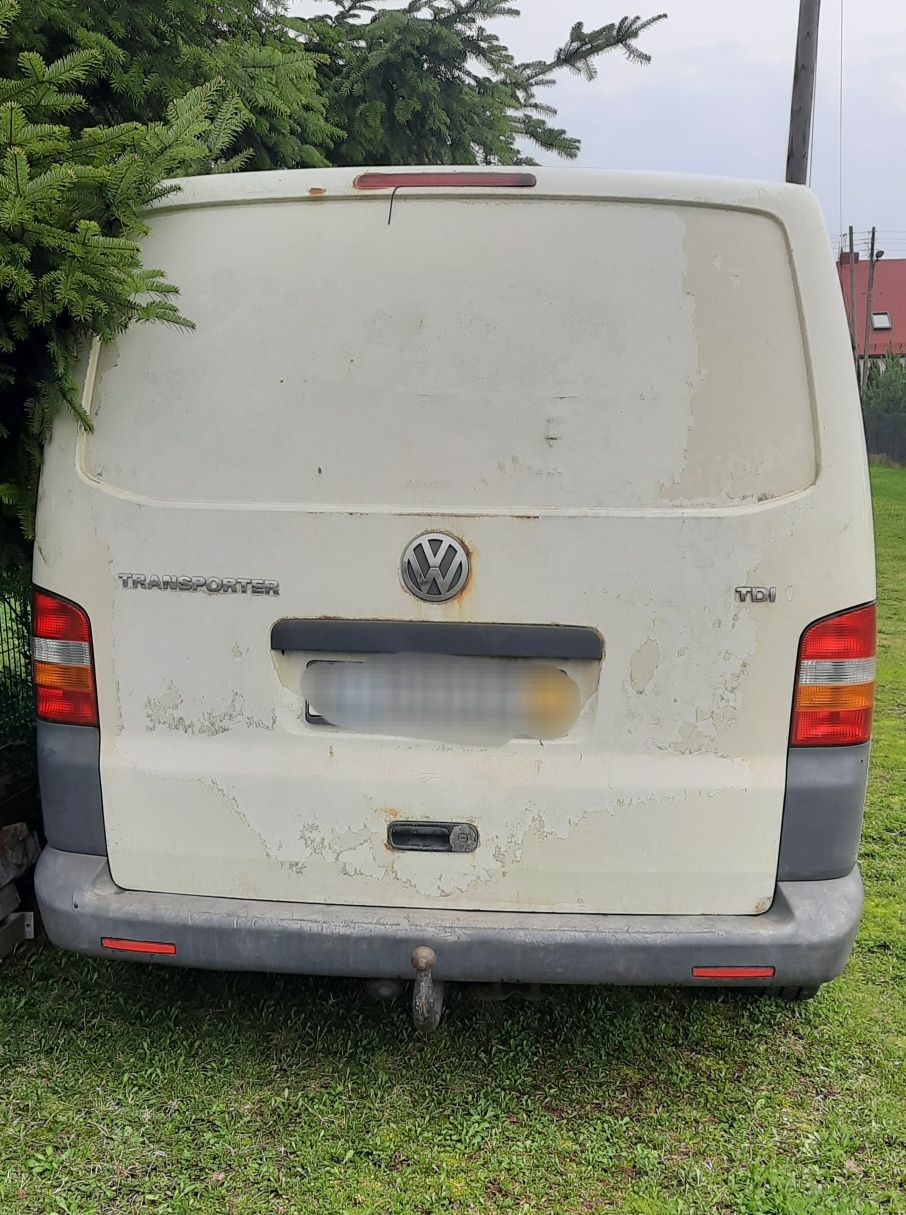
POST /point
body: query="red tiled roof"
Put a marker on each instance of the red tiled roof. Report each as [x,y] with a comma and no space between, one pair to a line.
[889,295]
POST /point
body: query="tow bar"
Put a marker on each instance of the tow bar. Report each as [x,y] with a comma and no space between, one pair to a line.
[427,996]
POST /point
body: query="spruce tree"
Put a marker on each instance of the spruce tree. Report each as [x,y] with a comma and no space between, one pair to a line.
[71,205]
[431,83]
[153,51]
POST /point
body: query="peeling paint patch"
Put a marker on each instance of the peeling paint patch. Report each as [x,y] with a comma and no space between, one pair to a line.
[691,738]
[231,803]
[644,664]
[737,267]
[164,713]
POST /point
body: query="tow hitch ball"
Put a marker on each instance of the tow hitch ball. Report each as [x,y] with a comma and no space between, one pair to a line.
[427,995]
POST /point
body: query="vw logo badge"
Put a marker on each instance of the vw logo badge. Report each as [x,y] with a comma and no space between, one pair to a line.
[435,567]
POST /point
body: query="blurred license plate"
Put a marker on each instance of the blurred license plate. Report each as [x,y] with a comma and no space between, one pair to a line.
[464,699]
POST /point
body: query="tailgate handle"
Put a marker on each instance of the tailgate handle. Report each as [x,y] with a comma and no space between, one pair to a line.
[432,837]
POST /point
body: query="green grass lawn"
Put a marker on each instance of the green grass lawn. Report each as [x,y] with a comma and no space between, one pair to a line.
[137,1089]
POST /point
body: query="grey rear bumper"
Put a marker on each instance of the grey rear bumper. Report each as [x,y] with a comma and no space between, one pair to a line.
[807,935]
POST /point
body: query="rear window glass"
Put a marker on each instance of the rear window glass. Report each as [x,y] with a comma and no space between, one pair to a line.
[491,354]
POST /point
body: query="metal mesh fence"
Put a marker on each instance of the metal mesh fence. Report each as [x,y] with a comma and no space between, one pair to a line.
[886,435]
[16,704]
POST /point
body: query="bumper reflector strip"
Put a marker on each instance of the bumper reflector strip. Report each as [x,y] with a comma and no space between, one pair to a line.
[126,946]
[732,972]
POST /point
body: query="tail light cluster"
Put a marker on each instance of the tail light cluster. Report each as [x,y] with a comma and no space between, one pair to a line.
[835,681]
[63,662]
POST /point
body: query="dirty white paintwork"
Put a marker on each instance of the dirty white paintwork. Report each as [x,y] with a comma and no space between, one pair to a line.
[627,394]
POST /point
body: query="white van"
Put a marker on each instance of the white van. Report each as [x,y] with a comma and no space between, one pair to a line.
[489,575]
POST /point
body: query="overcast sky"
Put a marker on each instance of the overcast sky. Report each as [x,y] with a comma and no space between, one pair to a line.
[716,98]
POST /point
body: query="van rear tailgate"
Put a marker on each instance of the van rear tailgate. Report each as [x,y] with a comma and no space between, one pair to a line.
[585,387]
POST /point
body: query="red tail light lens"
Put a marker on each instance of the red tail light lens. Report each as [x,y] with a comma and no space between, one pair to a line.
[393,181]
[835,681]
[63,662]
[58,619]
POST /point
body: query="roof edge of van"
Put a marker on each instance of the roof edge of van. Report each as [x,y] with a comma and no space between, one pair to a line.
[320,185]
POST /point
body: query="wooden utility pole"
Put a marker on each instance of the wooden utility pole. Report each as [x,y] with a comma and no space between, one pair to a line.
[803,92]
[873,260]
[852,302]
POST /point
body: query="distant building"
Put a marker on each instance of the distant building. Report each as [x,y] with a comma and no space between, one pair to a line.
[887,330]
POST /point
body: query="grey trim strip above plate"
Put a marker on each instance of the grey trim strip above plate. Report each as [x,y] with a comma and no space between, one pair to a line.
[552,641]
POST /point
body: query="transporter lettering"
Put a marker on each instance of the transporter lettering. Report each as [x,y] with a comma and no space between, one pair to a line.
[211,586]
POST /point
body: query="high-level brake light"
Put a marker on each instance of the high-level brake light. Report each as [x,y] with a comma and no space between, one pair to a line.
[63,662]
[835,681]
[446,178]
